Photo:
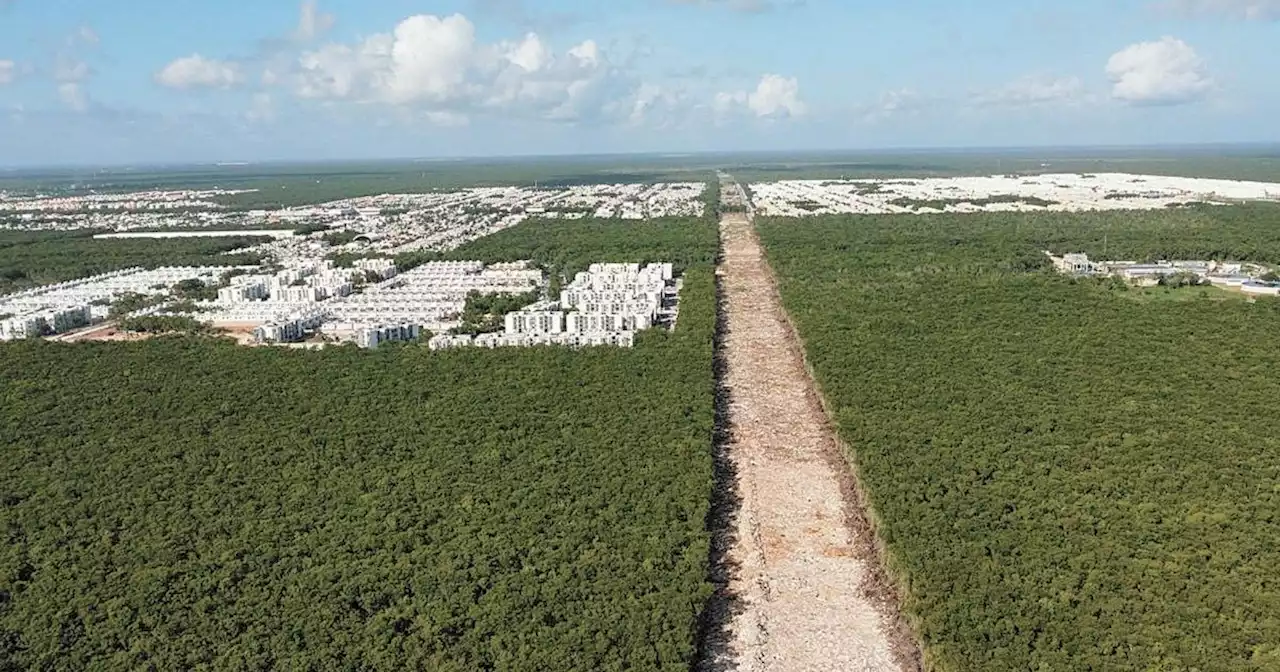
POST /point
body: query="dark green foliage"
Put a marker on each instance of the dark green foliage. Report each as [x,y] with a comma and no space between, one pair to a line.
[1066,478]
[337,238]
[195,290]
[131,302]
[28,259]
[484,313]
[308,229]
[1178,280]
[942,203]
[406,261]
[711,199]
[182,503]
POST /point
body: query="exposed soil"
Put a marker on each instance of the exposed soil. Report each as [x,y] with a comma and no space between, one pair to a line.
[800,586]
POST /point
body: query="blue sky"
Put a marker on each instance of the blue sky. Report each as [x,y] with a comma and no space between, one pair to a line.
[86,81]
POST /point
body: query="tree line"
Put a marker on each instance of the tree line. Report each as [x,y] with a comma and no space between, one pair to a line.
[1065,478]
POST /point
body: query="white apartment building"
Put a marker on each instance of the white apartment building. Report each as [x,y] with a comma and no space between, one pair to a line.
[535,322]
[605,305]
[292,328]
[373,337]
[21,327]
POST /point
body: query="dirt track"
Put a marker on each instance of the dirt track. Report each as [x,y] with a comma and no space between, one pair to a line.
[800,591]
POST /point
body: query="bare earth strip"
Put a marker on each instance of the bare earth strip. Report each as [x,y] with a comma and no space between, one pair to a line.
[801,591]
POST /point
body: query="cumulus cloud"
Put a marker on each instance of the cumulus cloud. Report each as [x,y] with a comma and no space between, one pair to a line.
[1249,10]
[196,71]
[530,53]
[892,104]
[1034,90]
[1164,72]
[73,96]
[8,70]
[660,106]
[776,96]
[312,23]
[438,65]
[70,69]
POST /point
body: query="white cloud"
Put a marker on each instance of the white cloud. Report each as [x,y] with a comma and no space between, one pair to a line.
[587,53]
[892,104]
[196,71]
[1249,10]
[73,96]
[663,106]
[85,36]
[530,53]
[438,66]
[8,71]
[1035,90]
[426,58]
[727,102]
[776,96]
[1165,72]
[68,69]
[71,71]
[312,23]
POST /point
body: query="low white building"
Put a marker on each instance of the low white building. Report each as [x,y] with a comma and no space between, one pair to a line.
[449,342]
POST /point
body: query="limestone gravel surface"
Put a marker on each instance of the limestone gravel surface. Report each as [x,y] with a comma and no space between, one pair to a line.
[800,574]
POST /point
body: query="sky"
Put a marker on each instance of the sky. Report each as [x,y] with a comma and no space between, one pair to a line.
[151,81]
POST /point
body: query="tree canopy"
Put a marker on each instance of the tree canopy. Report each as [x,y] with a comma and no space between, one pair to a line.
[1066,478]
[183,503]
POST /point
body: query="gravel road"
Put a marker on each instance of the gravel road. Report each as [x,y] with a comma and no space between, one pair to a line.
[801,588]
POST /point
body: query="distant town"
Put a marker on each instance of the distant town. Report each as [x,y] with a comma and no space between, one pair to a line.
[301,295]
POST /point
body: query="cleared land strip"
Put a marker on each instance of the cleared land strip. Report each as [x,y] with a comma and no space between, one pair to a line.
[801,594]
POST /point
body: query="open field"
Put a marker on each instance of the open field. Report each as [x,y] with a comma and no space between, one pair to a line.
[182,502]
[1065,478]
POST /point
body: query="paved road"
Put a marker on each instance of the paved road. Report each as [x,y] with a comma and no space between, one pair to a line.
[799,595]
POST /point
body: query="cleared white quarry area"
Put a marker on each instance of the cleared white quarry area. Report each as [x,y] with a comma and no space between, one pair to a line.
[1063,192]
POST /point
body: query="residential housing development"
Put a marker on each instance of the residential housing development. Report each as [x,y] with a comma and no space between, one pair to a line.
[65,306]
[605,305]
[368,304]
[1062,192]
[393,222]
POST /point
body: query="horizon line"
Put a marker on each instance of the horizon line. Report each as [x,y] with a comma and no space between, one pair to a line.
[656,154]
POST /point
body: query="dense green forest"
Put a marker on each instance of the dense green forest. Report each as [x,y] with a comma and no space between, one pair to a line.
[183,503]
[29,258]
[1066,479]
